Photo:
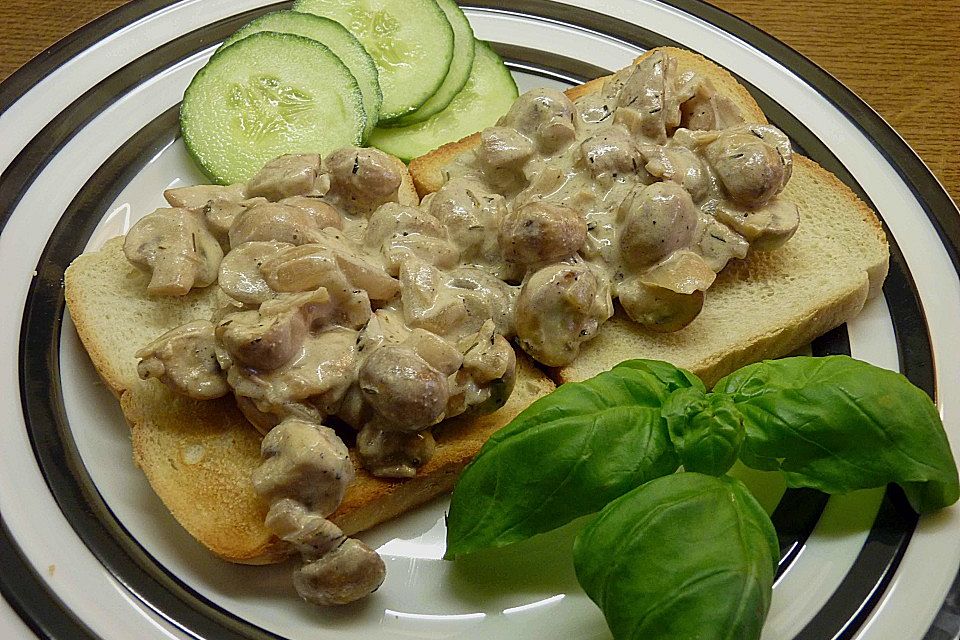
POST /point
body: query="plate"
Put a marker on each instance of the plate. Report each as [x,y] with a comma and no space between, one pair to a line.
[87,550]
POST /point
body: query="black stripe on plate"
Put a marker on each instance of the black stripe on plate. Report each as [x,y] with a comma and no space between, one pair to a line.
[566,13]
[31,599]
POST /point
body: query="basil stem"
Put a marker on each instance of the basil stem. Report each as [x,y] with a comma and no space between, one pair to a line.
[683,556]
[837,424]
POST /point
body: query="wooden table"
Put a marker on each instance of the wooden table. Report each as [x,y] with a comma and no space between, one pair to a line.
[902,57]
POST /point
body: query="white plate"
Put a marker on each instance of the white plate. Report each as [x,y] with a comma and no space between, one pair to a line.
[89,144]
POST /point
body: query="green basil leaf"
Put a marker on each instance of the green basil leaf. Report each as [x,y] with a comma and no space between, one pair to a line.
[839,424]
[706,430]
[568,454]
[684,556]
[673,378]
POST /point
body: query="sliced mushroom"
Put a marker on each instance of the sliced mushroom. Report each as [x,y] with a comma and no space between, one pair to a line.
[437,352]
[220,215]
[718,243]
[196,197]
[323,213]
[274,221]
[684,272]
[240,276]
[176,248]
[767,227]
[642,105]
[309,266]
[677,164]
[289,175]
[391,219]
[185,359]
[657,308]
[309,532]
[400,248]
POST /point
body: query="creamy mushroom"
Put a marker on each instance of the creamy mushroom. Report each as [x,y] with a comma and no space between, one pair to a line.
[289,175]
[175,247]
[276,222]
[387,453]
[559,308]
[539,232]
[751,169]
[324,214]
[402,387]
[657,220]
[362,179]
[185,359]
[240,276]
[545,116]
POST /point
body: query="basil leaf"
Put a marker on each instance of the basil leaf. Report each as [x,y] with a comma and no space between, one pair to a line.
[568,454]
[837,424]
[684,556]
[673,378]
[706,430]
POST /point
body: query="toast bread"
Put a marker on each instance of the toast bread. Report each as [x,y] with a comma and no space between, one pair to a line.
[198,456]
[764,306]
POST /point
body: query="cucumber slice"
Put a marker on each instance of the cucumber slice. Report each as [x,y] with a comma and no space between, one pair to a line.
[488,94]
[332,34]
[411,42]
[266,95]
[460,66]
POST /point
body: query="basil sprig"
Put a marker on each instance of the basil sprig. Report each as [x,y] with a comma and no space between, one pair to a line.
[692,542]
[683,556]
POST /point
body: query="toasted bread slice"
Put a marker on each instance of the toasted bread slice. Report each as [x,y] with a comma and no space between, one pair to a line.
[765,306]
[198,455]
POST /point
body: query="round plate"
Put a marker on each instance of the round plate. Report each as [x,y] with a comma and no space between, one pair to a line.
[88,551]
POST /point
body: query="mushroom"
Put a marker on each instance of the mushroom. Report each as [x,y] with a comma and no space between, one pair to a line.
[394,454]
[274,221]
[656,220]
[176,248]
[362,179]
[289,175]
[240,276]
[305,462]
[752,161]
[560,307]
[185,359]
[767,227]
[545,116]
[406,392]
[269,337]
[324,214]
[657,308]
[539,232]
[350,572]
[503,148]
[471,215]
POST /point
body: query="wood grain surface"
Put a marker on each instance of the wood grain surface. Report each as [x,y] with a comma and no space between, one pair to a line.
[901,57]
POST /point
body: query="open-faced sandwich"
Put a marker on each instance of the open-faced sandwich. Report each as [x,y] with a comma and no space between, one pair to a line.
[313,351]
